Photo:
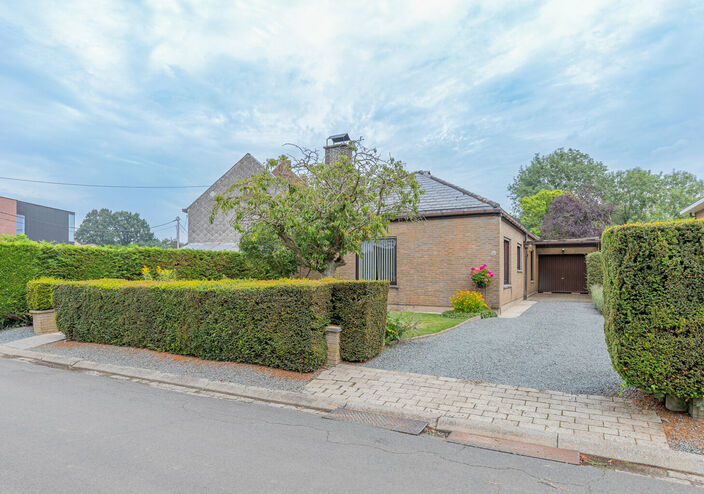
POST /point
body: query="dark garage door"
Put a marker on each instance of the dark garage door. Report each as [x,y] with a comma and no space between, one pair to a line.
[562,273]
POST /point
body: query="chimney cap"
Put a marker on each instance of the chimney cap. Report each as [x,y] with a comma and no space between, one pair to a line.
[339,138]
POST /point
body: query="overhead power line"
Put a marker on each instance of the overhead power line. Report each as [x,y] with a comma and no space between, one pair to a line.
[107,186]
[73,227]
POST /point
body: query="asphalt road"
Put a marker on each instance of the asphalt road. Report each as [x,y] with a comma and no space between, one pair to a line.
[63,431]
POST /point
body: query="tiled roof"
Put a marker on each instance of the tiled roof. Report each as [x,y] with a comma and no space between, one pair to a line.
[441,196]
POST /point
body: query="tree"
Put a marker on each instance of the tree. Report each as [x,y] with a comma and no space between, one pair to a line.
[321,212]
[642,196]
[576,216]
[560,170]
[261,245]
[533,208]
[103,227]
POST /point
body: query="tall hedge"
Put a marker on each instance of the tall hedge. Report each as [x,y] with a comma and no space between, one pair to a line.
[654,305]
[595,275]
[274,323]
[24,260]
[359,307]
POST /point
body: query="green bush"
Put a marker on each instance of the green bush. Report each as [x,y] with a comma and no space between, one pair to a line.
[22,260]
[400,324]
[654,305]
[597,292]
[468,302]
[39,296]
[488,314]
[595,274]
[273,323]
[359,307]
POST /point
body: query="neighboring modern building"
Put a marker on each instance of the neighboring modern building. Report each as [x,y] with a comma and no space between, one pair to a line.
[696,209]
[428,259]
[40,223]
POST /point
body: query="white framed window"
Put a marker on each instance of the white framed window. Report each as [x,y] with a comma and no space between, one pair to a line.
[71,227]
[378,260]
[20,225]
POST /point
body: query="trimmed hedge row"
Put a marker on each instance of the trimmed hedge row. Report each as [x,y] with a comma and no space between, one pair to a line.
[273,323]
[595,274]
[39,293]
[359,307]
[654,305]
[24,260]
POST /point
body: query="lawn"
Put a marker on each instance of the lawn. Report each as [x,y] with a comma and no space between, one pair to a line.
[432,323]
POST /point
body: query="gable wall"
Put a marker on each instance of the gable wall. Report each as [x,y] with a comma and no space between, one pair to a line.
[221,230]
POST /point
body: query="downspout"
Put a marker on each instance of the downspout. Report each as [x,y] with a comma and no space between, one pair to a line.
[525,267]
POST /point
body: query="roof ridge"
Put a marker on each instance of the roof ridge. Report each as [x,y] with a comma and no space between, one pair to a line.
[458,188]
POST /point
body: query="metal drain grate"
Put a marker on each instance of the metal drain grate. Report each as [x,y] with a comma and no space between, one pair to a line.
[398,424]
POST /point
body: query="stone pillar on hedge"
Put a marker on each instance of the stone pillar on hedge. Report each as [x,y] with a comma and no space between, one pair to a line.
[332,338]
[696,408]
[44,321]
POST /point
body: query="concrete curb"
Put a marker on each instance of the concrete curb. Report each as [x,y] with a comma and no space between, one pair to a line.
[663,458]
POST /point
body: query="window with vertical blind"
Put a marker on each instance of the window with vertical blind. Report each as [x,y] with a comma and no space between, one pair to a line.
[378,260]
[518,257]
[532,253]
[507,261]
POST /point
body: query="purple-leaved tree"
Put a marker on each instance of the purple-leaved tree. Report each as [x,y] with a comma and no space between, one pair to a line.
[576,216]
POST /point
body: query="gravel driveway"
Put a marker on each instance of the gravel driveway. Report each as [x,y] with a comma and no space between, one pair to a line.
[553,345]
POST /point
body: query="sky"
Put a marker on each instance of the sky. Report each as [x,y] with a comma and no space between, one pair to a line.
[174,92]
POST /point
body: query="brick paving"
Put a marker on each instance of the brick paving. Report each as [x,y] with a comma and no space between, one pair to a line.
[591,417]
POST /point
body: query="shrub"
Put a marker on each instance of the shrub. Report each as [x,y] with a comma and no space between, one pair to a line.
[466,301]
[359,307]
[273,323]
[488,314]
[158,274]
[598,297]
[39,296]
[454,314]
[22,260]
[595,274]
[481,276]
[654,305]
[399,324]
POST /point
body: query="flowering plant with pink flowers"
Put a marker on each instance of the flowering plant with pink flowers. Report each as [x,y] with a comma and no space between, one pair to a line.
[481,276]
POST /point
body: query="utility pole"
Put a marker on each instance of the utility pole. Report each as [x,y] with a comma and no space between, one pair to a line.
[178,232]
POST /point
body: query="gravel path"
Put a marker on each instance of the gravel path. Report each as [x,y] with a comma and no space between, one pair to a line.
[8,335]
[218,371]
[554,345]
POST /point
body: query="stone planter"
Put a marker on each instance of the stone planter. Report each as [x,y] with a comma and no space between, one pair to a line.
[674,404]
[696,408]
[44,321]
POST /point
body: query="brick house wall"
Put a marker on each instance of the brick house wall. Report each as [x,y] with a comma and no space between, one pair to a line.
[699,214]
[434,257]
[8,216]
[200,230]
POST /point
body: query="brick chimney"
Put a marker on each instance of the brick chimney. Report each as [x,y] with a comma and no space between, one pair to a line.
[336,146]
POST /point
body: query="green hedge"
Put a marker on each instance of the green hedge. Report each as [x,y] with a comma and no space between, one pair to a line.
[274,323]
[654,305]
[595,275]
[24,260]
[359,307]
[39,293]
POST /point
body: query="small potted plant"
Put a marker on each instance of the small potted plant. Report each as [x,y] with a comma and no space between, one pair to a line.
[481,277]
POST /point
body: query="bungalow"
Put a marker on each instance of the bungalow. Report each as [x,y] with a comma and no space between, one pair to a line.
[427,259]
[696,209]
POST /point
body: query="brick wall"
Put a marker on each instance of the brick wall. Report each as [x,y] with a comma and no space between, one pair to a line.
[8,218]
[699,214]
[434,258]
[514,290]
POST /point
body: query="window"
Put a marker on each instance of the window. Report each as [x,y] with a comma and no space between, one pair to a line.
[20,225]
[518,258]
[378,260]
[532,254]
[71,227]
[507,261]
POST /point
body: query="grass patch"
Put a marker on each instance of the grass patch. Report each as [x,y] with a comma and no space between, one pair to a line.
[433,323]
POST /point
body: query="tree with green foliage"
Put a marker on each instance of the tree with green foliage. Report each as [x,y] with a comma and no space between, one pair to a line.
[567,170]
[534,208]
[321,212]
[103,227]
[261,245]
[643,196]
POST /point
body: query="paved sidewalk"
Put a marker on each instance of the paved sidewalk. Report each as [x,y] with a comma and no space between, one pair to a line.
[590,417]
